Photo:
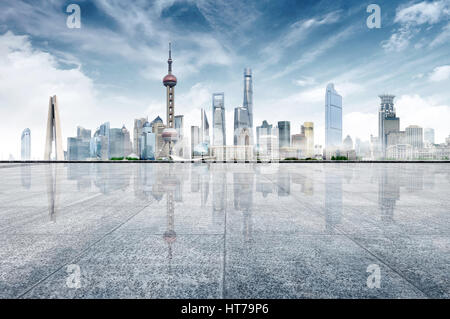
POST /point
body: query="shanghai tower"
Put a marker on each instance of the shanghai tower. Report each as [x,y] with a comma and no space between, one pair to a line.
[248,94]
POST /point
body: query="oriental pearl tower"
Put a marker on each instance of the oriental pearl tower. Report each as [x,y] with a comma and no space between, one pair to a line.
[169,134]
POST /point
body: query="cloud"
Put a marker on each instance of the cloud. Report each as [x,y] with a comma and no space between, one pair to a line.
[360,124]
[28,78]
[296,33]
[442,37]
[423,12]
[399,40]
[416,110]
[411,18]
[305,81]
[440,73]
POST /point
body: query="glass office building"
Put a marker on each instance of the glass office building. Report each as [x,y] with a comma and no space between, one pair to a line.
[284,131]
[333,118]
[218,116]
[26,144]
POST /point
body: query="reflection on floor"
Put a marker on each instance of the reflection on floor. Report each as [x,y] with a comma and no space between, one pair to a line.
[224,230]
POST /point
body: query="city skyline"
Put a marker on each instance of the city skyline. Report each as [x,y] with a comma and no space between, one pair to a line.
[96,85]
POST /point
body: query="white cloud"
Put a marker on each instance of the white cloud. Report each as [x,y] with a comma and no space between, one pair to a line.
[360,124]
[440,73]
[411,18]
[441,38]
[305,81]
[416,110]
[399,40]
[28,78]
[423,12]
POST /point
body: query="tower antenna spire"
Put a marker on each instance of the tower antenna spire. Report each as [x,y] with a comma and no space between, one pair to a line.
[170,58]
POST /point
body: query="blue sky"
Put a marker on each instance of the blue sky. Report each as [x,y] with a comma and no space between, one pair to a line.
[111,68]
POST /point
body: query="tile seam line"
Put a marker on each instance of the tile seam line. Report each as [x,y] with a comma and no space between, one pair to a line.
[83,252]
[367,250]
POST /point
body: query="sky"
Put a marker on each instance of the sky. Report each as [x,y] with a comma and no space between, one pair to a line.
[111,68]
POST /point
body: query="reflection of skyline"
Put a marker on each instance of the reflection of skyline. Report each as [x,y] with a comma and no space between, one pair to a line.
[208,184]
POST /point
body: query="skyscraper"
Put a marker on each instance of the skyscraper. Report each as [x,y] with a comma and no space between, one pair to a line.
[264,129]
[127,145]
[137,132]
[387,120]
[204,128]
[242,126]
[243,116]
[195,138]
[248,94]
[53,132]
[169,134]
[428,136]
[179,125]
[218,117]
[267,141]
[147,143]
[414,136]
[308,130]
[284,131]
[333,118]
[99,146]
[26,144]
[78,148]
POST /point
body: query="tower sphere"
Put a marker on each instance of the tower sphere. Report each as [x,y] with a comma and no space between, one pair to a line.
[170,135]
[170,80]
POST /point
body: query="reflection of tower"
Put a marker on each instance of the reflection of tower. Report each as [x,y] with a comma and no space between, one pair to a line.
[388,194]
[52,191]
[333,200]
[219,192]
[243,201]
[170,81]
[25,172]
[53,132]
[170,186]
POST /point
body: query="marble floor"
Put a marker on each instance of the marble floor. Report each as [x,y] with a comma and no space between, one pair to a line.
[129,230]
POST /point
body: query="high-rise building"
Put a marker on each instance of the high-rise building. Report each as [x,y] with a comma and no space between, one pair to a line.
[333,118]
[264,129]
[218,118]
[242,126]
[179,125]
[299,143]
[195,138]
[147,143]
[248,95]
[284,131]
[387,120]
[78,148]
[53,132]
[26,144]
[204,128]
[308,131]
[137,132]
[347,143]
[99,145]
[158,128]
[243,116]
[428,136]
[127,145]
[267,138]
[414,136]
[170,135]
